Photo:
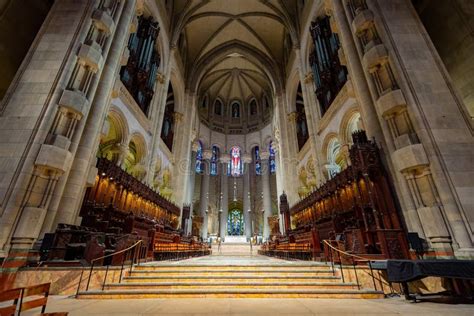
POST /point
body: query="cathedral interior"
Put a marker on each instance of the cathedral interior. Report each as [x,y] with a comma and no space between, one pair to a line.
[260,136]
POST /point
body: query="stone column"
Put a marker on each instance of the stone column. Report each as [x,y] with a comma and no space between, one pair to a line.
[439,120]
[372,122]
[267,198]
[247,159]
[311,108]
[288,179]
[182,146]
[87,147]
[190,188]
[204,204]
[225,196]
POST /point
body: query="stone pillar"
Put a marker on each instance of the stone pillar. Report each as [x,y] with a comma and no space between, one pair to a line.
[225,197]
[190,188]
[204,200]
[182,146]
[247,159]
[437,116]
[267,197]
[87,147]
[311,109]
[286,141]
[372,123]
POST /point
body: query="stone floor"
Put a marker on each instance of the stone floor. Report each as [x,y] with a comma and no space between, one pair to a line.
[262,306]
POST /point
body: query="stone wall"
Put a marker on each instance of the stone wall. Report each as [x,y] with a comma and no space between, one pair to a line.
[450,25]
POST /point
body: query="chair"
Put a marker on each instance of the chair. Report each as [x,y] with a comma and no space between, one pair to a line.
[9,295]
[37,290]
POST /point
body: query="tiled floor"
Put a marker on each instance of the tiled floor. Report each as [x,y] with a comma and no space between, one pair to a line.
[273,307]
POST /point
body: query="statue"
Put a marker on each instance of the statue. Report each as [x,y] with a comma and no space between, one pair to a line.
[165,189]
[303,190]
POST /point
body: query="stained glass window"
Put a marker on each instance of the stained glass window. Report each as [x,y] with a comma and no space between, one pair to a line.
[235,110]
[214,160]
[272,158]
[199,166]
[258,165]
[235,223]
[235,162]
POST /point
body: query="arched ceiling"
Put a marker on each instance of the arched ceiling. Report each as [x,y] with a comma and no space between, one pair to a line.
[265,27]
[234,49]
[235,78]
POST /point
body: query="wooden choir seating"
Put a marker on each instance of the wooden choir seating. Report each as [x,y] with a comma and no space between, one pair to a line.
[175,247]
[117,212]
[355,209]
[18,300]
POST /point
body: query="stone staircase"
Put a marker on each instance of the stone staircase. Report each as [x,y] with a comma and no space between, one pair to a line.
[280,279]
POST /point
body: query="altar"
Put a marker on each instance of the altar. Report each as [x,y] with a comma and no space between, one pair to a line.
[235,239]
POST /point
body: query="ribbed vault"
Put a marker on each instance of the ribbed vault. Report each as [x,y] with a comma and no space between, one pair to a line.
[235,50]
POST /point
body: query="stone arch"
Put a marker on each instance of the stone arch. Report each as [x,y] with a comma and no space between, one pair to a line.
[177,86]
[117,135]
[141,147]
[292,89]
[332,151]
[352,122]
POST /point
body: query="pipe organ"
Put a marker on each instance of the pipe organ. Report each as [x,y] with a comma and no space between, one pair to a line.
[140,73]
[329,74]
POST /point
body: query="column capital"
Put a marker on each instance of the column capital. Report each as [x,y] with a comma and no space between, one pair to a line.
[247,158]
[309,78]
[207,154]
[225,159]
[292,116]
[160,78]
[195,146]
[178,116]
[264,155]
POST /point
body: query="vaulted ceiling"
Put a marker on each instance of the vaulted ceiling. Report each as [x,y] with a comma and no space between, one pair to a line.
[234,49]
[227,32]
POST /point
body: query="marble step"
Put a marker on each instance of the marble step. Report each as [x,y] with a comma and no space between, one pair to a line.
[232,285]
[217,279]
[279,268]
[231,293]
[243,273]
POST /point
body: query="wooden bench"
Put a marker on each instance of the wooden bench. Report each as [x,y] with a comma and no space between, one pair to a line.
[25,299]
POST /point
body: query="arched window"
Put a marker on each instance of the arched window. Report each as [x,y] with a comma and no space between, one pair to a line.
[167,131]
[354,125]
[301,124]
[235,110]
[205,100]
[214,160]
[199,166]
[253,107]
[266,104]
[272,158]
[218,107]
[235,162]
[334,163]
[258,165]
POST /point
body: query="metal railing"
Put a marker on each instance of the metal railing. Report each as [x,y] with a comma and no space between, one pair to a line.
[132,253]
[354,258]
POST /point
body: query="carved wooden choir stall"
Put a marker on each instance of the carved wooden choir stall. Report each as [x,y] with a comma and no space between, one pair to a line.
[118,211]
[354,211]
